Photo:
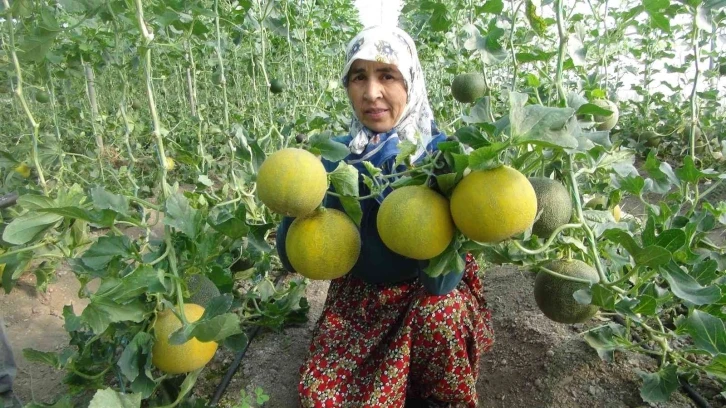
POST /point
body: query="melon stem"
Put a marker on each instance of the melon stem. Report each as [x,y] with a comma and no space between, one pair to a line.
[549,241]
[565,277]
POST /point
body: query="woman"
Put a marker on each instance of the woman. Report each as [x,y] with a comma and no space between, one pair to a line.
[390,335]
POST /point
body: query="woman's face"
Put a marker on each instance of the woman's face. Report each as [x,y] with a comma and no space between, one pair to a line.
[378,94]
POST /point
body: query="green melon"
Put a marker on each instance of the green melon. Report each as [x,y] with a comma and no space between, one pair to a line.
[553,200]
[201,290]
[606,122]
[467,88]
[554,296]
[276,86]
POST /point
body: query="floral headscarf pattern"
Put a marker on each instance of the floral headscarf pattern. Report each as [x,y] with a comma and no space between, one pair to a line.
[391,45]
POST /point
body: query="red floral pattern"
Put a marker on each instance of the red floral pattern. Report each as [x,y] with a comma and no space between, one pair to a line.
[374,345]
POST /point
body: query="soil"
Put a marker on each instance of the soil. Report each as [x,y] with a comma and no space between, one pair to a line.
[534,362]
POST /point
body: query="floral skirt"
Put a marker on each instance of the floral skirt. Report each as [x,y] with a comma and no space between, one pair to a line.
[377,345]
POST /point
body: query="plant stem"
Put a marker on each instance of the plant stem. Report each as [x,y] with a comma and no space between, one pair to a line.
[148,38]
[21,96]
[220,61]
[547,244]
[515,66]
[560,52]
[694,106]
[21,250]
[590,235]
[565,277]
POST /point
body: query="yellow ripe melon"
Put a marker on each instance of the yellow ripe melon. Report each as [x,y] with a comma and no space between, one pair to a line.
[323,245]
[183,358]
[493,205]
[415,221]
[292,182]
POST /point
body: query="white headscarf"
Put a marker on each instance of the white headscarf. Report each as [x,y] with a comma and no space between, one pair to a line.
[391,45]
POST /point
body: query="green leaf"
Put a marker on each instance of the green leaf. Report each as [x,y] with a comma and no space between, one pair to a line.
[28,227]
[655,8]
[652,256]
[143,279]
[225,222]
[217,328]
[330,150]
[539,124]
[101,312]
[345,180]
[72,322]
[606,339]
[15,265]
[538,24]
[236,342]
[592,109]
[672,240]
[471,136]
[480,113]
[491,6]
[447,261]
[648,235]
[109,398]
[106,249]
[534,56]
[43,357]
[104,200]
[647,305]
[623,238]
[603,297]
[352,207]
[687,288]
[217,306]
[488,47]
[708,332]
[485,158]
[372,170]
[34,47]
[717,366]
[652,6]
[658,387]
[405,150]
[705,272]
[689,172]
[131,357]
[626,305]
[180,215]
[446,182]
[103,218]
[660,21]
[257,236]
[35,202]
[439,20]
[461,162]
[631,184]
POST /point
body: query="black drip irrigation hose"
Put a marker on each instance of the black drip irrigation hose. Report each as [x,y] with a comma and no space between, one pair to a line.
[687,388]
[222,387]
[8,200]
